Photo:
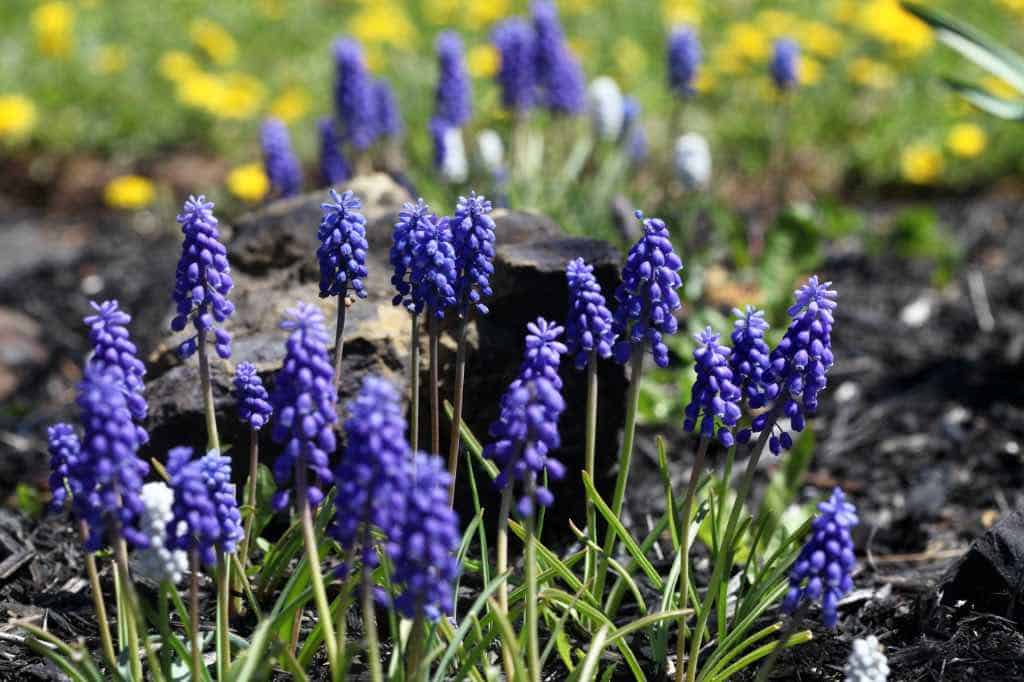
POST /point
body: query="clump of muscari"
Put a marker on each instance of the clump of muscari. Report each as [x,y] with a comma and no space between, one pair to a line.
[304,405]
[202,280]
[453,96]
[206,517]
[64,449]
[433,276]
[560,79]
[279,161]
[684,58]
[647,299]
[411,218]
[589,322]
[353,95]
[714,398]
[473,240]
[785,64]
[334,168]
[517,73]
[607,108]
[692,161]
[159,561]
[388,117]
[342,250]
[633,137]
[112,348]
[825,565]
[253,403]
[749,360]
[867,661]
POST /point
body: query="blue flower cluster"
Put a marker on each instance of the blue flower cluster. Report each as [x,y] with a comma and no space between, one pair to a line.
[514,40]
[334,169]
[526,431]
[389,119]
[423,550]
[65,450]
[785,64]
[647,298]
[342,250]
[304,405]
[370,475]
[434,271]
[560,78]
[206,516]
[589,322]
[453,96]
[403,245]
[749,361]
[203,278]
[825,564]
[106,479]
[279,161]
[684,58]
[353,94]
[633,136]
[714,397]
[253,403]
[112,348]
[473,239]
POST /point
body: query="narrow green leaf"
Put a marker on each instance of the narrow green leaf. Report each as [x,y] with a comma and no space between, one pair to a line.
[459,635]
[650,619]
[761,652]
[631,546]
[588,669]
[990,104]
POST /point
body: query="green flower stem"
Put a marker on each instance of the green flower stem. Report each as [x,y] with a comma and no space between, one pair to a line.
[684,549]
[501,550]
[414,649]
[163,606]
[791,625]
[414,384]
[636,364]
[532,635]
[589,457]
[313,558]
[254,464]
[339,337]
[460,380]
[193,593]
[106,641]
[370,629]
[723,552]
[346,559]
[435,401]
[134,617]
[223,616]
[213,440]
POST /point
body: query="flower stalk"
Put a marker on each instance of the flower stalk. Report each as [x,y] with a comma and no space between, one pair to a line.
[414,384]
[684,546]
[501,551]
[460,380]
[339,339]
[370,628]
[223,616]
[206,388]
[106,641]
[590,448]
[435,398]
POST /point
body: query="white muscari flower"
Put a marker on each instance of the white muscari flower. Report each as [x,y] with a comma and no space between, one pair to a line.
[607,108]
[867,662]
[157,562]
[491,151]
[454,165]
[693,161]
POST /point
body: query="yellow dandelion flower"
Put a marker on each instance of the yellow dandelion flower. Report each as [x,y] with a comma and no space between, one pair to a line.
[483,61]
[820,39]
[441,12]
[776,22]
[966,140]
[248,182]
[110,59]
[214,40]
[809,70]
[480,15]
[681,12]
[846,11]
[748,41]
[630,58]
[870,73]
[292,104]
[705,82]
[17,116]
[53,24]
[1000,88]
[1016,6]
[241,98]
[201,90]
[382,22]
[887,21]
[375,58]
[175,65]
[129,192]
[921,163]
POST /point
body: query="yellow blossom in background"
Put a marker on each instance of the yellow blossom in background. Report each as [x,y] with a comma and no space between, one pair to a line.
[726,60]
[630,58]
[921,163]
[870,73]
[110,59]
[705,82]
[681,12]
[248,182]
[483,61]
[748,41]
[292,104]
[966,140]
[17,116]
[129,192]
[891,24]
[242,97]
[441,12]
[480,15]
[776,22]
[846,11]
[1016,6]
[214,40]
[373,56]
[53,24]
[271,9]
[201,90]
[820,39]
[382,22]
[175,65]
[1000,88]
[809,70]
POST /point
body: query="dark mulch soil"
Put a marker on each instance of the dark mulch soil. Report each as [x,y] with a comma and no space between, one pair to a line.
[922,425]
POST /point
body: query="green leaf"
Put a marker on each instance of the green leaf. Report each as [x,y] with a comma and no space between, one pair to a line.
[588,669]
[987,102]
[759,653]
[459,635]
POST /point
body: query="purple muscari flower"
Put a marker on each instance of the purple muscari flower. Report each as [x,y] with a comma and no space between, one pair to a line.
[304,404]
[633,136]
[434,272]
[403,243]
[65,451]
[342,251]
[370,475]
[334,169]
[253,404]
[473,238]
[203,278]
[517,74]
[714,396]
[526,430]
[108,474]
[279,161]
[684,58]
[423,551]
[453,96]
[559,74]
[801,361]
[825,564]
[785,64]
[646,299]
[353,94]
[206,516]
[112,348]
[749,359]
[589,322]
[566,87]
[389,119]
